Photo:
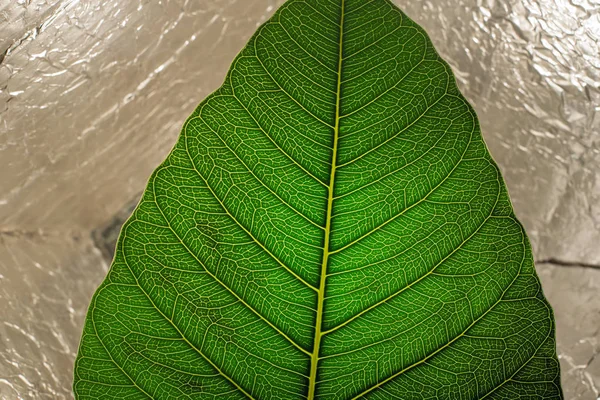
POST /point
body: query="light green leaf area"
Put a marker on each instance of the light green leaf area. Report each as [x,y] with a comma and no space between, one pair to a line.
[329,225]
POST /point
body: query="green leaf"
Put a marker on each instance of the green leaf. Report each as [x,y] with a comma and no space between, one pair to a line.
[329,225]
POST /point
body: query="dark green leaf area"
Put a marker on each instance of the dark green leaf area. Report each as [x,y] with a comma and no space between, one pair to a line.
[330,225]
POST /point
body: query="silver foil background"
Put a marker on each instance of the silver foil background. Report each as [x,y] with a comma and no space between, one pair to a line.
[93,95]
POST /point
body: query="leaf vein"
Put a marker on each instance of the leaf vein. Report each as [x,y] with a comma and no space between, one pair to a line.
[395,375]
[411,206]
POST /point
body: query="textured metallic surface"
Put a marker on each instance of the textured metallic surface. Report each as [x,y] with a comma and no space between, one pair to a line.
[93,94]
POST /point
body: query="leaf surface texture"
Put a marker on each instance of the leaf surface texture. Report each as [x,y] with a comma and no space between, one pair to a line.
[329,225]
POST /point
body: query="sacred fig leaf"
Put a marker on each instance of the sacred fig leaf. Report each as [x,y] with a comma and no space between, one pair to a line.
[329,225]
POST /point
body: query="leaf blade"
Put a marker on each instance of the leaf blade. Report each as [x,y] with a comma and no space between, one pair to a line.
[330,224]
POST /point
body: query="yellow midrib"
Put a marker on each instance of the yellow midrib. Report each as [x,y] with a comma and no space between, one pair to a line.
[312,383]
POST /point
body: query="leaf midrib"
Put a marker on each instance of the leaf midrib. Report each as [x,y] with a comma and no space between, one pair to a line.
[314,362]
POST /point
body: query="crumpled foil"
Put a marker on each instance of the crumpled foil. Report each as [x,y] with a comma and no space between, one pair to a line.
[93,94]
